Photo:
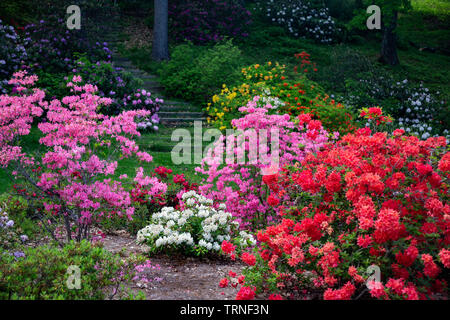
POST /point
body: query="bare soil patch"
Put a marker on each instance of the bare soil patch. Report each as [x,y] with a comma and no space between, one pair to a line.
[179,278]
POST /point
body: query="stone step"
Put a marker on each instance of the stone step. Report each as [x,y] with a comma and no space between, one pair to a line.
[191,115]
[148,77]
[152,83]
[111,40]
[176,103]
[140,73]
[118,59]
[171,120]
[182,123]
[123,64]
[156,93]
[153,86]
[165,132]
[178,108]
[124,67]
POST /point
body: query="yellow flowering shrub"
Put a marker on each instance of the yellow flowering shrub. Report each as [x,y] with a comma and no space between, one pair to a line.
[291,96]
[256,78]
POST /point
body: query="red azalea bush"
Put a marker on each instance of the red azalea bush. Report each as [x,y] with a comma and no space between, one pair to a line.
[177,184]
[370,200]
[149,199]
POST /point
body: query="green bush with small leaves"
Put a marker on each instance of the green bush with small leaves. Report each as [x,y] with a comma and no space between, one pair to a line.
[195,73]
[43,273]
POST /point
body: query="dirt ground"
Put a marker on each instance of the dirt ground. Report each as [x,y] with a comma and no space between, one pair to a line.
[178,278]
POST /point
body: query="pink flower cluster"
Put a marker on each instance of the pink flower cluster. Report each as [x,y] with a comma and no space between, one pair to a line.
[74,174]
[239,184]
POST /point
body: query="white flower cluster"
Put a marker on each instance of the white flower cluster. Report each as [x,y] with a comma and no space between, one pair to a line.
[414,108]
[420,109]
[300,18]
[419,129]
[268,99]
[246,239]
[198,225]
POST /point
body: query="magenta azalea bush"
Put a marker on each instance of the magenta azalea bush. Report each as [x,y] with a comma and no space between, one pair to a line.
[73,175]
[241,185]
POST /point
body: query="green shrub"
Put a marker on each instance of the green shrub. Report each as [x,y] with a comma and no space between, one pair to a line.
[106,77]
[195,73]
[347,63]
[54,84]
[43,273]
[342,9]
[141,217]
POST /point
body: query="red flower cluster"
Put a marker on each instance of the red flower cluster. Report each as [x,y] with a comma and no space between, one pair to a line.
[248,258]
[376,114]
[223,283]
[144,195]
[228,247]
[246,293]
[163,172]
[305,62]
[273,201]
[368,199]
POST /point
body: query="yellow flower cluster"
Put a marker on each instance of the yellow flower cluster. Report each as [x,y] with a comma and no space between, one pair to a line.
[223,106]
[268,72]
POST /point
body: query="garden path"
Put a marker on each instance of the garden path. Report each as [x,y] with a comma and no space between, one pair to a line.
[180,278]
[173,113]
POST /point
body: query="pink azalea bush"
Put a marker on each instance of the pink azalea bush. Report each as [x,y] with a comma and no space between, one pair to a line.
[73,175]
[241,185]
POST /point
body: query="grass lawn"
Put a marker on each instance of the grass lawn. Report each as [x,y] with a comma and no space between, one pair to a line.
[147,142]
[440,8]
[427,25]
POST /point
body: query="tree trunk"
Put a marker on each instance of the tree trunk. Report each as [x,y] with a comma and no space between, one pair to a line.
[389,42]
[160,49]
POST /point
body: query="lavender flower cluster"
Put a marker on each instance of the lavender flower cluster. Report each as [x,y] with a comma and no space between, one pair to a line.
[9,240]
[141,99]
[12,54]
[419,112]
[51,46]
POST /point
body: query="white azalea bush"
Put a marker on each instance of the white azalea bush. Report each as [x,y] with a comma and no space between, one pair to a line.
[301,18]
[199,228]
